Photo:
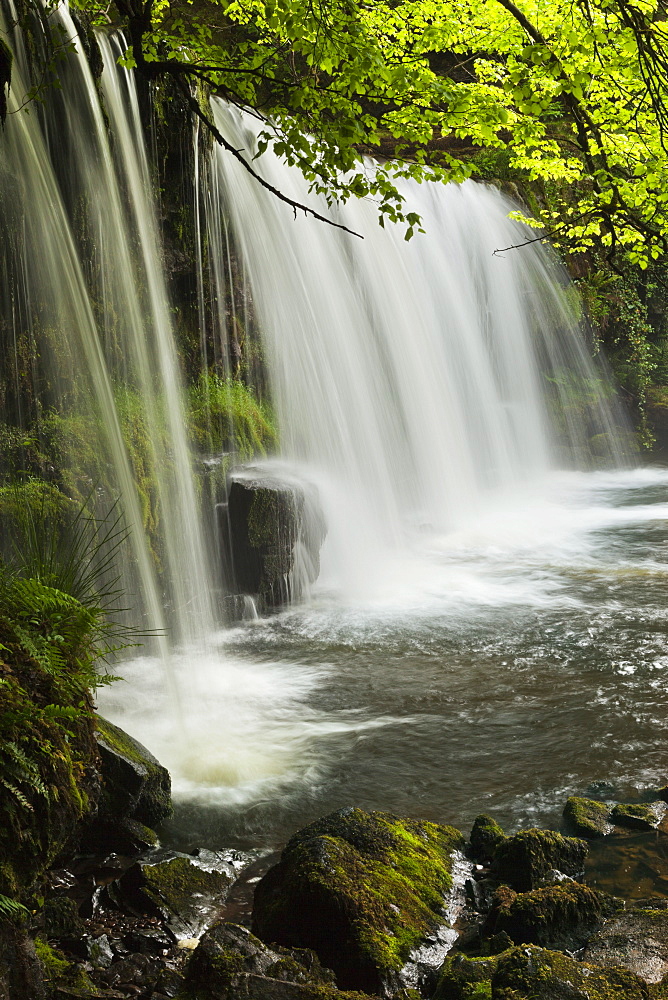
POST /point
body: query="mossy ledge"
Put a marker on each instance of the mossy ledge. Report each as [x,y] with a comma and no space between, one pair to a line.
[360,889]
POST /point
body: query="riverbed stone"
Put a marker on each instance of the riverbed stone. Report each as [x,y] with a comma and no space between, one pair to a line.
[639,816]
[231,963]
[465,978]
[176,889]
[271,532]
[135,784]
[362,890]
[636,939]
[531,973]
[587,818]
[529,857]
[486,835]
[561,917]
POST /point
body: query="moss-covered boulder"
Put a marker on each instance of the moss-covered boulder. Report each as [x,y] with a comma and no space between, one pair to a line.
[464,978]
[587,818]
[525,860]
[561,916]
[641,816]
[362,890]
[177,889]
[486,835]
[231,963]
[636,939]
[530,973]
[271,532]
[135,784]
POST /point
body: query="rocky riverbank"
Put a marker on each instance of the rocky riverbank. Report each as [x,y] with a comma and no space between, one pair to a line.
[357,905]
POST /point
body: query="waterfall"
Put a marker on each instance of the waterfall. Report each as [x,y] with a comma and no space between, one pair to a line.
[415,382]
[86,278]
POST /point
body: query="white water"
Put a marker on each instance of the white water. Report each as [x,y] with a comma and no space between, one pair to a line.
[410,380]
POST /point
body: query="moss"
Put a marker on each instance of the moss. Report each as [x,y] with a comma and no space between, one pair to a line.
[135,783]
[587,818]
[176,882]
[561,916]
[361,889]
[225,415]
[486,835]
[639,817]
[530,973]
[58,971]
[463,978]
[528,857]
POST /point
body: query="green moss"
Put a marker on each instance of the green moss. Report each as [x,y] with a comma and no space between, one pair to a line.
[587,818]
[463,978]
[360,889]
[225,415]
[486,835]
[528,857]
[177,882]
[562,916]
[640,817]
[530,973]
[54,962]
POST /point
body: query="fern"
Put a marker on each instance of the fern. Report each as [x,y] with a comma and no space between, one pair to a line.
[10,909]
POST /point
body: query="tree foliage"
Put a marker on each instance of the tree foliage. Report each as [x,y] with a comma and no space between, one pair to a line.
[573,90]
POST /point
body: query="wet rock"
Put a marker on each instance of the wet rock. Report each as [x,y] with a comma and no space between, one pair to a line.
[363,890]
[177,889]
[231,963]
[135,970]
[587,818]
[486,835]
[100,952]
[637,940]
[271,531]
[463,978]
[528,857]
[643,816]
[135,784]
[562,917]
[530,973]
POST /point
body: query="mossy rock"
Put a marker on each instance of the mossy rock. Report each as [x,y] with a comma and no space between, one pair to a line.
[176,889]
[643,816]
[587,818]
[362,890]
[636,939]
[135,784]
[525,860]
[230,963]
[486,835]
[561,916]
[60,917]
[530,973]
[464,978]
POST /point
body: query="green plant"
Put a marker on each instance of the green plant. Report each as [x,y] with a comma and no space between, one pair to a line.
[225,415]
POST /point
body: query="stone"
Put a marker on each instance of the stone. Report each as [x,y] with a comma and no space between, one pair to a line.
[531,973]
[561,917]
[528,857]
[135,784]
[641,816]
[271,532]
[464,978]
[175,888]
[486,835]
[231,963]
[636,939]
[587,818]
[362,890]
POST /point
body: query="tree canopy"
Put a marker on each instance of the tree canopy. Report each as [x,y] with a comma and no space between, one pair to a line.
[571,93]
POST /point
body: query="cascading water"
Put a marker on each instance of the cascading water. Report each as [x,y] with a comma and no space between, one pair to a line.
[488,631]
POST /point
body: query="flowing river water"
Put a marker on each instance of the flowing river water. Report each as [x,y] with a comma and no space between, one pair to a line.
[499,668]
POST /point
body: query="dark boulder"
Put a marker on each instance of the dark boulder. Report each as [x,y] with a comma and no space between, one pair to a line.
[486,835]
[230,963]
[530,973]
[271,532]
[587,818]
[641,816]
[525,860]
[561,916]
[135,785]
[363,890]
[464,978]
